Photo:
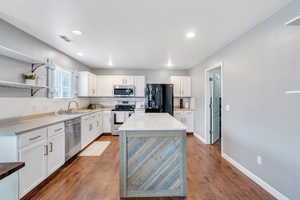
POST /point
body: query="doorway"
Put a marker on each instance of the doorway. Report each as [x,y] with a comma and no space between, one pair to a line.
[213,109]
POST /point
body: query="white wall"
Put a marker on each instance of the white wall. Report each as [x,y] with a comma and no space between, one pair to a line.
[258,68]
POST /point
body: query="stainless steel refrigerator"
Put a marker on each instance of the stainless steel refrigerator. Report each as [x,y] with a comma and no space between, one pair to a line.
[159,98]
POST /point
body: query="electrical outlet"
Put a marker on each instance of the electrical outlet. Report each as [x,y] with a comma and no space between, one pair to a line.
[259,160]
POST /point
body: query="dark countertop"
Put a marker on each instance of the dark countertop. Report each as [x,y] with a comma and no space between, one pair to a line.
[7,169]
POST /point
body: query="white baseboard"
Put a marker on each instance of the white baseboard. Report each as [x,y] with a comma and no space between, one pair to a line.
[255,178]
[200,138]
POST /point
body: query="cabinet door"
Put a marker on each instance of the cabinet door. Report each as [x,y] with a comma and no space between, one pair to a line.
[56,155]
[105,86]
[186,89]
[35,170]
[93,128]
[84,131]
[92,84]
[83,84]
[139,83]
[99,124]
[176,81]
[106,121]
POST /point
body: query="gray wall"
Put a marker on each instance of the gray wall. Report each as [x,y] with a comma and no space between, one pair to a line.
[258,68]
[12,70]
[152,76]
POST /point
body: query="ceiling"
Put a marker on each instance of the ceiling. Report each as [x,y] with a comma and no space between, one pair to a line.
[138,34]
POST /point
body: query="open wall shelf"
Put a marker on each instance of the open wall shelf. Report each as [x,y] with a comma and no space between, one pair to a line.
[34,88]
[4,51]
[19,85]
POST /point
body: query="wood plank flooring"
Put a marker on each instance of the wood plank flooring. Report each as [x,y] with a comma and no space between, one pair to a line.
[97,178]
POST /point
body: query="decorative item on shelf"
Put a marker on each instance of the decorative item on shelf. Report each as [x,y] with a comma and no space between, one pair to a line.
[30,78]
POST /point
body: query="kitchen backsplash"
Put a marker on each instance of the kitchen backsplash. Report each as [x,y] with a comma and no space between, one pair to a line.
[18,107]
[107,102]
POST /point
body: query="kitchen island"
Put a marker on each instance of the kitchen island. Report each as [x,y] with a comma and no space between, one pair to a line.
[152,156]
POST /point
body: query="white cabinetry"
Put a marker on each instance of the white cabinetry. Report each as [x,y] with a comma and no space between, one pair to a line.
[107,121]
[99,124]
[187,118]
[87,84]
[91,85]
[105,85]
[182,86]
[139,83]
[33,151]
[43,151]
[56,147]
[91,128]
[123,80]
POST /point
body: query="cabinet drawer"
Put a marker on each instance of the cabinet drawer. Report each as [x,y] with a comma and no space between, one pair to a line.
[56,129]
[31,137]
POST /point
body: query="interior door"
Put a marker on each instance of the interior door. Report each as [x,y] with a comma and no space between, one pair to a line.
[215,105]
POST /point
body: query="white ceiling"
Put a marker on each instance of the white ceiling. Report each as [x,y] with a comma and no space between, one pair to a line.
[138,33]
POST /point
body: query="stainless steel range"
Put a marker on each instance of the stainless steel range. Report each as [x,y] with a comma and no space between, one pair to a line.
[122,111]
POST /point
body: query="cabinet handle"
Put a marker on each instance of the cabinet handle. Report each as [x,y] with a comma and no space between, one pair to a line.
[51,147]
[57,130]
[46,150]
[34,138]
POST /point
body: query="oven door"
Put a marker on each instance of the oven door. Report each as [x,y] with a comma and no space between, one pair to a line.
[119,117]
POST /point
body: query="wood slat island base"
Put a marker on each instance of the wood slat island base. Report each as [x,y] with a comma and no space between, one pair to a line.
[152,157]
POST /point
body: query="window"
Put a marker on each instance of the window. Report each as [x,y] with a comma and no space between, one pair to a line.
[62,83]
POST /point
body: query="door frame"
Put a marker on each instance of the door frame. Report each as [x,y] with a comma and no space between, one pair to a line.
[207,102]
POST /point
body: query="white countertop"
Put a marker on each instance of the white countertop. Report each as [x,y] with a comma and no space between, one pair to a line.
[19,126]
[152,122]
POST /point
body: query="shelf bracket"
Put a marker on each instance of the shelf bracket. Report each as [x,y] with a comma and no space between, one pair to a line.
[34,91]
[36,66]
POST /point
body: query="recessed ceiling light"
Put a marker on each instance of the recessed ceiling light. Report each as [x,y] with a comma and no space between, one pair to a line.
[80,54]
[76,32]
[190,35]
[170,64]
[110,61]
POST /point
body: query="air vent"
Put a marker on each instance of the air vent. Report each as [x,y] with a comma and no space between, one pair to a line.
[294,22]
[65,38]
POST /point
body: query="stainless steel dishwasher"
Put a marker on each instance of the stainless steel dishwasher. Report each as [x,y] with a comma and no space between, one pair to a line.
[73,137]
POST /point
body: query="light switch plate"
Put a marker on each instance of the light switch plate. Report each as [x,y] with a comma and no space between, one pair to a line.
[227,108]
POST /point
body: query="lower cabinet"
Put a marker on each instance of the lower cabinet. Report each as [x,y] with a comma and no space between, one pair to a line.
[187,118]
[91,128]
[107,121]
[35,170]
[43,152]
[56,152]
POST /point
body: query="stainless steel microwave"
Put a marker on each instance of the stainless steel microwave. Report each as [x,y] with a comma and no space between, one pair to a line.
[124,90]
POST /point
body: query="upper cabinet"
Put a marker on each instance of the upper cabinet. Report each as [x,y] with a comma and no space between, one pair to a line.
[105,85]
[87,85]
[182,86]
[140,84]
[123,80]
[102,86]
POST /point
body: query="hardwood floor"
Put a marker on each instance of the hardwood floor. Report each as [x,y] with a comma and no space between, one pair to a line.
[97,178]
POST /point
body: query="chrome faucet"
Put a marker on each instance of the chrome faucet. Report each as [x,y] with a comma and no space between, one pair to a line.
[69,106]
